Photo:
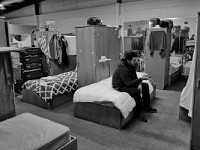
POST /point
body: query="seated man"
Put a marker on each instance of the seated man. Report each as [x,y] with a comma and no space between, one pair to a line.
[125,80]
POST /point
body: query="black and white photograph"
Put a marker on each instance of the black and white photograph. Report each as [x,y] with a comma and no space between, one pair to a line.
[100,75]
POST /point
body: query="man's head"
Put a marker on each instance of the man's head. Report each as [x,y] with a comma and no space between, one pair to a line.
[131,58]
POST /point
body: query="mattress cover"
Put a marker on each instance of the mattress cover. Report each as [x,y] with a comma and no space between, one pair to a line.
[102,91]
[50,86]
[29,132]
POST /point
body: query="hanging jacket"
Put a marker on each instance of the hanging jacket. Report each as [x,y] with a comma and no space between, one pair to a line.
[63,44]
[125,76]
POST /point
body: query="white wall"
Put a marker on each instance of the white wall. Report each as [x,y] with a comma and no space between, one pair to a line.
[130,11]
[20,29]
[144,10]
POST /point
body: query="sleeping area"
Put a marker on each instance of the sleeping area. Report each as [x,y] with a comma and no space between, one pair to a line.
[58,64]
[51,91]
[100,103]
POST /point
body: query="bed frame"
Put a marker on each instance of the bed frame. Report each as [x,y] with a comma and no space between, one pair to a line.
[105,114]
[33,98]
[174,76]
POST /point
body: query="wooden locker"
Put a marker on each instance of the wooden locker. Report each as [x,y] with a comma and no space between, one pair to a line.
[156,66]
[93,42]
[7,106]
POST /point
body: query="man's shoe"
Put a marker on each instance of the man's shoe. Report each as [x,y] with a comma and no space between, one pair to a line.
[141,118]
[150,110]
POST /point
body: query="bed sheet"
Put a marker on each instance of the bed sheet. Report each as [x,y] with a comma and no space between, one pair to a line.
[50,86]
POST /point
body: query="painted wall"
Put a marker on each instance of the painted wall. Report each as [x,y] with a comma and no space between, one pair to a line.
[20,29]
[130,11]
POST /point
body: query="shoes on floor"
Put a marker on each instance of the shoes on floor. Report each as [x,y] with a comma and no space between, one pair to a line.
[150,110]
[141,118]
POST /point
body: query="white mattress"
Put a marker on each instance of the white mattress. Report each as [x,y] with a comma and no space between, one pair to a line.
[28,132]
[103,92]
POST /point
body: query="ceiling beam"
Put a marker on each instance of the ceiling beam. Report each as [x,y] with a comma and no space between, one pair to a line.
[20,5]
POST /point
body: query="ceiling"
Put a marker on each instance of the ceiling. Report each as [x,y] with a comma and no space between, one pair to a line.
[24,3]
[15,6]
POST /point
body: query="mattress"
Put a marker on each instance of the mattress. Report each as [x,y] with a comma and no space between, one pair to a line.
[102,92]
[104,113]
[30,132]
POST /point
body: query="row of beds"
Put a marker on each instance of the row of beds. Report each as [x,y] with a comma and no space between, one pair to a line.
[107,107]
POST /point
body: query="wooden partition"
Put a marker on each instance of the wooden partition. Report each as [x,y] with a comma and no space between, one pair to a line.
[52,66]
[157,66]
[195,137]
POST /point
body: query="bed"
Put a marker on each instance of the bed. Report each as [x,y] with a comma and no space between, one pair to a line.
[175,68]
[186,68]
[51,91]
[100,103]
[28,132]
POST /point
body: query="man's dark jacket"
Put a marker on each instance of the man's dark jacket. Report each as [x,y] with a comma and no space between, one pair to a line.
[125,76]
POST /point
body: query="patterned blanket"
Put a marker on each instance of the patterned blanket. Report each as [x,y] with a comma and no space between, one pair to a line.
[50,86]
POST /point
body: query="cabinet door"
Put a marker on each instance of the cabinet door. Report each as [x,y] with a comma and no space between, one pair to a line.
[102,69]
[85,56]
[115,49]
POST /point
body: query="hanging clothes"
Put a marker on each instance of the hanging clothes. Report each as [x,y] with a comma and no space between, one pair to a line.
[178,45]
[54,47]
[158,42]
[64,45]
[137,43]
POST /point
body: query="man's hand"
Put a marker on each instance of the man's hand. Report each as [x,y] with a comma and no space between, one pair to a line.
[144,77]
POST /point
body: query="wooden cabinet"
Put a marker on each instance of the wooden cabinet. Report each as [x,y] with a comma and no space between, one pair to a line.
[7,106]
[31,59]
[94,43]
[157,66]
